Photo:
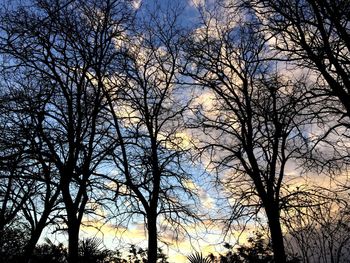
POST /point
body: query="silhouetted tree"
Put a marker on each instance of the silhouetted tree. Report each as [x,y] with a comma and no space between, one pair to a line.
[149,110]
[314,36]
[319,232]
[28,185]
[250,119]
[60,49]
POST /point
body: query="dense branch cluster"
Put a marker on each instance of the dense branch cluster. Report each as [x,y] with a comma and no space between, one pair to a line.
[111,113]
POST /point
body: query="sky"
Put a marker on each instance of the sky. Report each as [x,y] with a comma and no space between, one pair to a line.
[206,238]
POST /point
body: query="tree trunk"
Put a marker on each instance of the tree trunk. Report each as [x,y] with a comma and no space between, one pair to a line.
[73,240]
[28,251]
[272,214]
[73,222]
[152,238]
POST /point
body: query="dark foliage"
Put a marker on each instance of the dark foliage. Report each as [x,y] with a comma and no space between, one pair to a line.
[12,242]
[257,250]
[91,250]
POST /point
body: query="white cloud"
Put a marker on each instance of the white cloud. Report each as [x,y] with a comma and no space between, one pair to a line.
[196,3]
[136,4]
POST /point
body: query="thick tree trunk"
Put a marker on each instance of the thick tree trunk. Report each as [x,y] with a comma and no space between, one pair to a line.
[272,213]
[73,223]
[28,251]
[39,228]
[152,239]
[73,240]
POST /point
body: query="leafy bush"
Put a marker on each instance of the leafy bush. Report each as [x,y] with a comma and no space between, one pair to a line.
[139,255]
[12,243]
[91,250]
[49,252]
[199,258]
[257,250]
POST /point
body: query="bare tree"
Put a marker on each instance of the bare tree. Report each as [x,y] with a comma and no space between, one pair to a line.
[319,232]
[61,47]
[149,111]
[315,35]
[25,161]
[251,122]
[14,191]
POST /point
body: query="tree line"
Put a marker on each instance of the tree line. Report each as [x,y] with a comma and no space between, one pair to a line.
[108,107]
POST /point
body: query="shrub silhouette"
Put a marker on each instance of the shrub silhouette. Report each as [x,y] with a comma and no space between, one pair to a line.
[257,250]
